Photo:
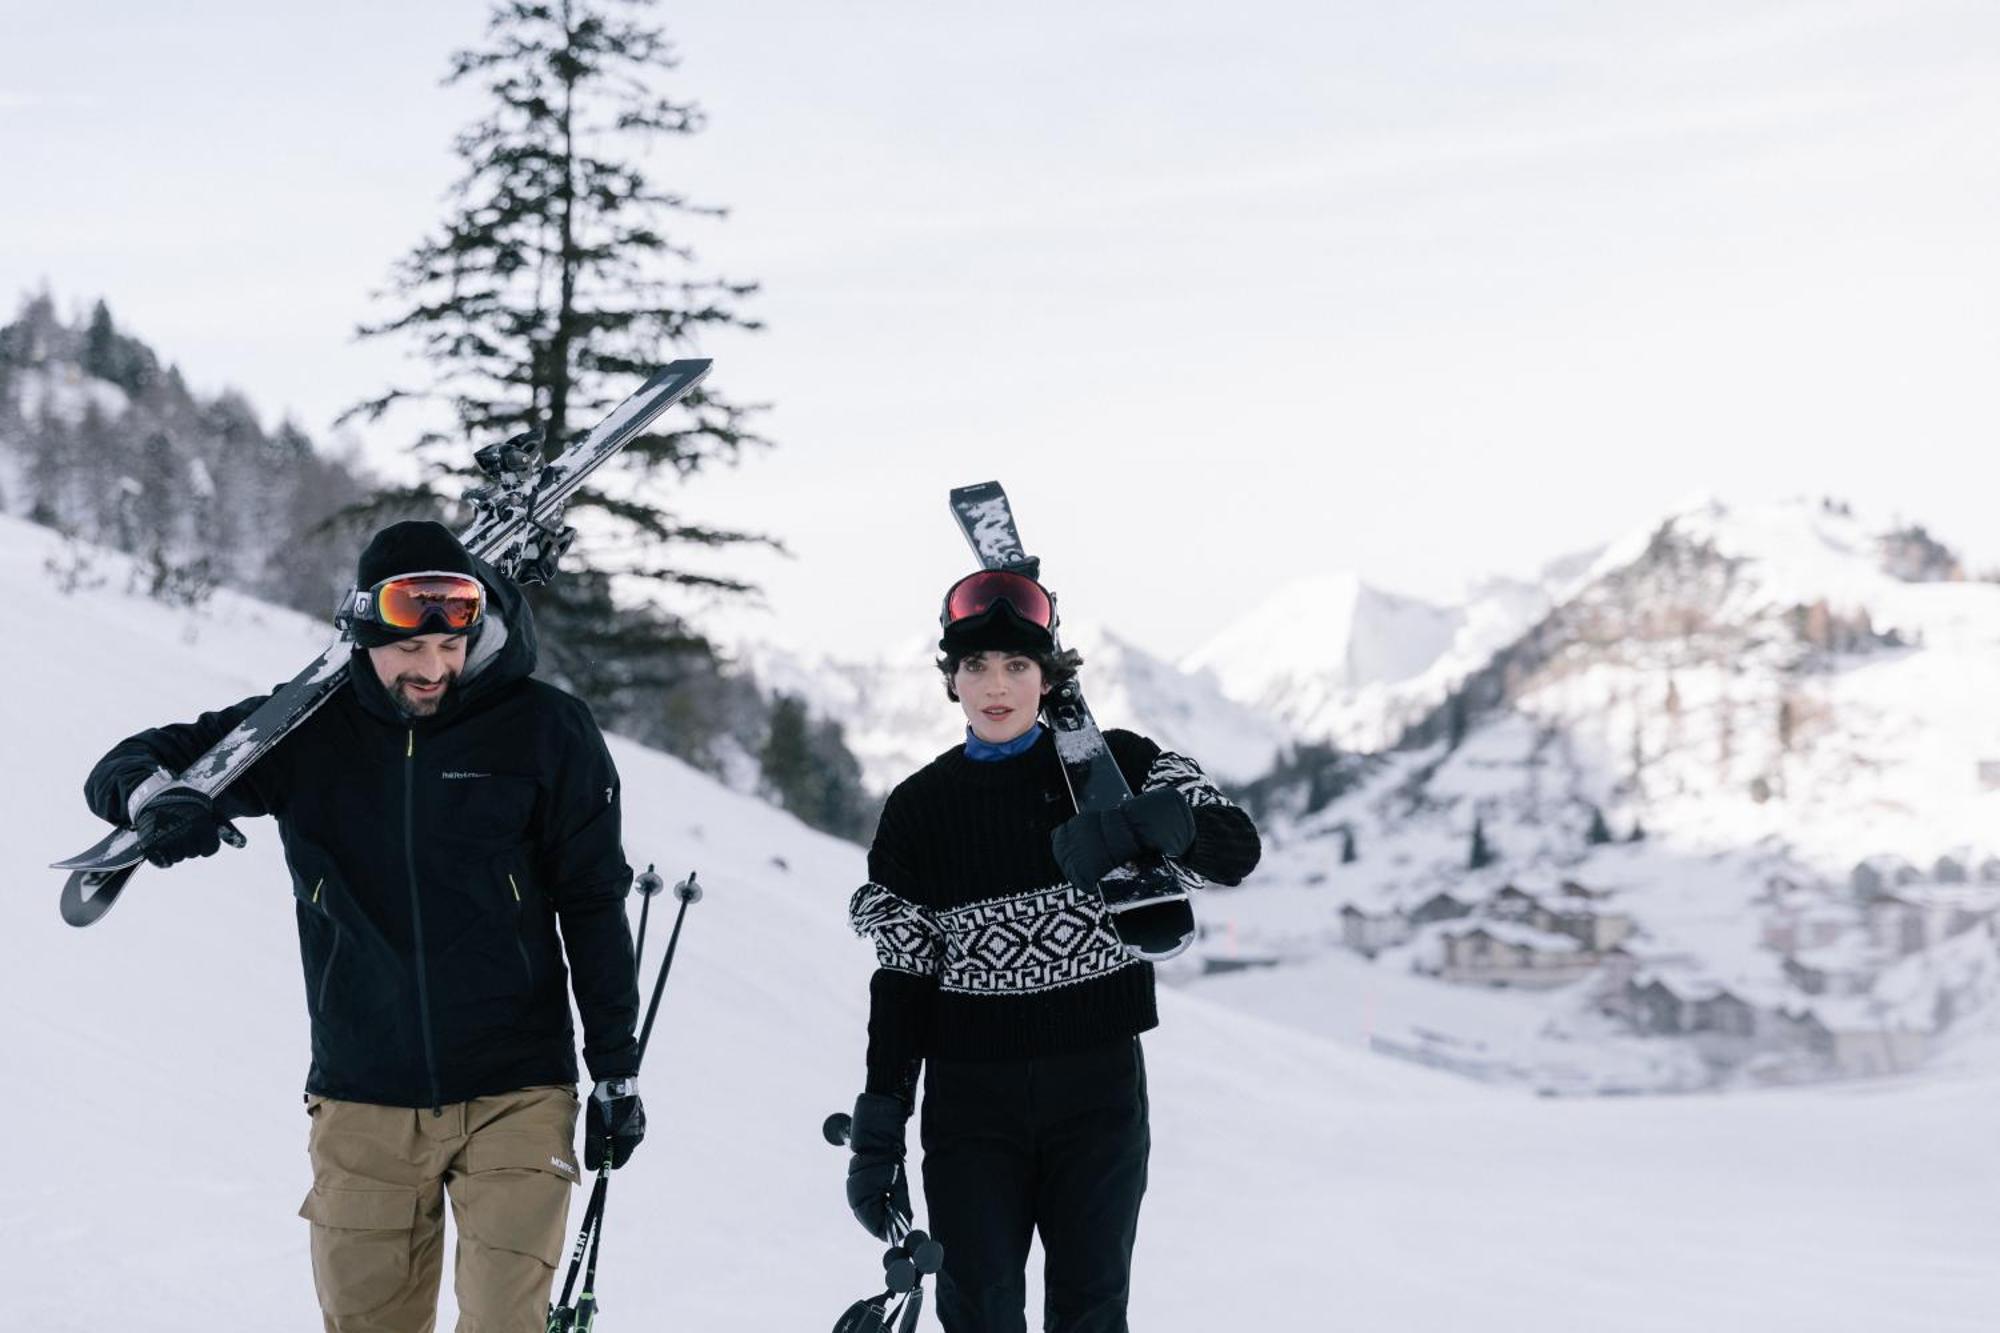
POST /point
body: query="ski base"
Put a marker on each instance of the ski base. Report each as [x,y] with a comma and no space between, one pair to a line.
[88,894]
[1157,931]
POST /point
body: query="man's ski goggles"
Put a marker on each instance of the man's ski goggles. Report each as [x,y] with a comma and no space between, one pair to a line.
[976,594]
[434,602]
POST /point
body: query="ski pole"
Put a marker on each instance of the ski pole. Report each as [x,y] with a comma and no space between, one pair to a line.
[648,885]
[578,1318]
[688,891]
[911,1257]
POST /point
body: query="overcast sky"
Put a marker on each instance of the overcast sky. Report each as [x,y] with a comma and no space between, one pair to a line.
[1223,294]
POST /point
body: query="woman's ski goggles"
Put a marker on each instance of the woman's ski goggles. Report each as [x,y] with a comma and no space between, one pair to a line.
[436,602]
[977,594]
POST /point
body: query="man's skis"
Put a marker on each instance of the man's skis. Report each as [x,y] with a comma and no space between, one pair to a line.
[517,527]
[1144,899]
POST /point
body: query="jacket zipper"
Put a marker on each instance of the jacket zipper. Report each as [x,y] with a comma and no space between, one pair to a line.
[326,972]
[417,918]
[520,945]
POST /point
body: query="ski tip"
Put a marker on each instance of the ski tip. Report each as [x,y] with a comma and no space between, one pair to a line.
[690,369]
[88,894]
[977,491]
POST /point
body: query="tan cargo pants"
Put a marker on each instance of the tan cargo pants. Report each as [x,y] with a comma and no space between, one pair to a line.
[380,1178]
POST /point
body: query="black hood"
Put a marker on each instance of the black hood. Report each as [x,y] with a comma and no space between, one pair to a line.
[503,652]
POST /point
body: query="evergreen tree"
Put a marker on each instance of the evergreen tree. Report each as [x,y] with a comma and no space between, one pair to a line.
[810,772]
[1638,833]
[557,281]
[1481,855]
[1600,832]
[1348,856]
[100,344]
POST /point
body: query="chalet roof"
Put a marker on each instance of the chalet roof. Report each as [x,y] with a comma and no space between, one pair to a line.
[1510,932]
[1965,897]
[1852,951]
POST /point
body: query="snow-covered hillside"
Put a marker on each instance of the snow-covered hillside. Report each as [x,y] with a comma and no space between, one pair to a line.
[154,1063]
[1332,658]
[1793,708]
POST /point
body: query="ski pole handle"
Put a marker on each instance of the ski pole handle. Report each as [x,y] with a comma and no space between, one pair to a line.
[688,891]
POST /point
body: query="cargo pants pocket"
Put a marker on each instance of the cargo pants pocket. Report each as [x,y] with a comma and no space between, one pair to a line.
[512,1203]
[361,1241]
[514,1195]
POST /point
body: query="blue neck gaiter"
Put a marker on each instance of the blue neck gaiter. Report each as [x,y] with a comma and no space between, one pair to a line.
[986,752]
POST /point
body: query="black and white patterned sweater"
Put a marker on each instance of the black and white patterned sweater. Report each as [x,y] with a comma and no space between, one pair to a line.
[985,952]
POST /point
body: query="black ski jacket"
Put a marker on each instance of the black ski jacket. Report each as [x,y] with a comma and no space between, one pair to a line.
[432,860]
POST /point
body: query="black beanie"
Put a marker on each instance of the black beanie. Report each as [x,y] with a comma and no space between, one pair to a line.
[417,546]
[997,629]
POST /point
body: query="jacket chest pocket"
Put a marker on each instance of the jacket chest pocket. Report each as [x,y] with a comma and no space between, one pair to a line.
[486,808]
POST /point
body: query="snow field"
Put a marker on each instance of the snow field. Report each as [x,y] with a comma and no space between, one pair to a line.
[154,1065]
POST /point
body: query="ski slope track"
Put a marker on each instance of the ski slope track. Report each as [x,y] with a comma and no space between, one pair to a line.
[154,1066]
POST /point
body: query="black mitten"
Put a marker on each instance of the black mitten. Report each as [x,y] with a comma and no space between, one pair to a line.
[878,1188]
[1160,819]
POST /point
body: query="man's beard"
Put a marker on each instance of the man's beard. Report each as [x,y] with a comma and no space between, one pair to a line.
[413,707]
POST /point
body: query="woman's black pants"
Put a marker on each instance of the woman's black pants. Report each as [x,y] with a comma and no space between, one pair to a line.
[1056,1145]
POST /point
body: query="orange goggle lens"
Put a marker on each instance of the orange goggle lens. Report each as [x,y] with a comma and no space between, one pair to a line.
[448,602]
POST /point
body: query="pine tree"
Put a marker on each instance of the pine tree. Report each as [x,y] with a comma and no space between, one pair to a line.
[1600,832]
[557,281]
[1348,856]
[810,772]
[1481,855]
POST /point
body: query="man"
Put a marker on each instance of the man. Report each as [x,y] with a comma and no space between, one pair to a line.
[440,818]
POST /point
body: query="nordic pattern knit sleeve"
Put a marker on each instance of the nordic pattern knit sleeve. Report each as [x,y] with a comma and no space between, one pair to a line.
[1226,845]
[909,950]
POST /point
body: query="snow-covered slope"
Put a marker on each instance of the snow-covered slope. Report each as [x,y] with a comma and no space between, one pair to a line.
[1775,695]
[1335,659]
[154,1060]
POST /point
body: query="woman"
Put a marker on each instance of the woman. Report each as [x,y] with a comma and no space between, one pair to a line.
[999,969]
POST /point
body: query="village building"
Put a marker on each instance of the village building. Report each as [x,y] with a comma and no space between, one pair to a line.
[1439,907]
[1852,1040]
[1881,874]
[1596,931]
[1841,969]
[1798,930]
[1506,953]
[1370,932]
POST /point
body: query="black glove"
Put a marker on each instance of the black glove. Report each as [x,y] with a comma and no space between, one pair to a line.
[1092,842]
[878,1188]
[178,823]
[613,1114]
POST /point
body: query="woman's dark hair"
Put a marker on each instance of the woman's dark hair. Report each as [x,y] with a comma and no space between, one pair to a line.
[1057,666]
